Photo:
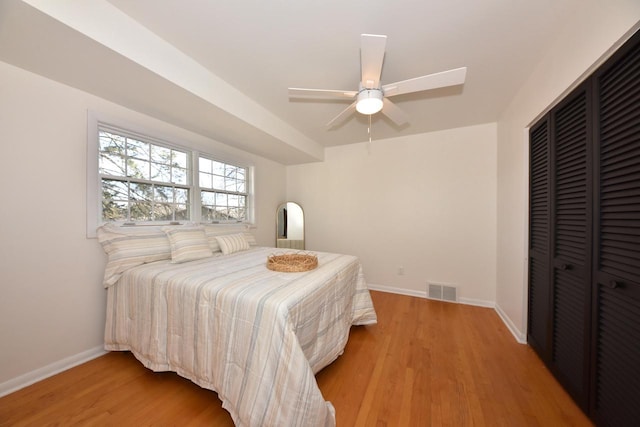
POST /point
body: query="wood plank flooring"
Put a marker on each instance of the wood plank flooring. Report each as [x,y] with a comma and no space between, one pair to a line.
[425,363]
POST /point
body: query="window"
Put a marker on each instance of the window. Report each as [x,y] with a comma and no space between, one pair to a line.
[142,181]
[137,179]
[223,190]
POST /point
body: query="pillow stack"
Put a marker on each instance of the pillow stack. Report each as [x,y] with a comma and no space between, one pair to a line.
[128,247]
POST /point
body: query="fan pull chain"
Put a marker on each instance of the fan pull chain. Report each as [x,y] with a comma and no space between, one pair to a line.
[369,131]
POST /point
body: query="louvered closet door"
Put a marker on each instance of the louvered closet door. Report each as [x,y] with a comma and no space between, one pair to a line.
[571,242]
[539,239]
[616,367]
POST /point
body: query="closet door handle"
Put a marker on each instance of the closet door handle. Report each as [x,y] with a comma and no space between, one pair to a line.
[565,267]
[612,284]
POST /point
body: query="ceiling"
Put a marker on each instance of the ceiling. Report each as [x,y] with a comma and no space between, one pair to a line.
[222,68]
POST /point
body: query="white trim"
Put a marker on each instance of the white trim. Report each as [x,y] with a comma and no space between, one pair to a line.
[93,178]
[50,370]
[394,290]
[423,294]
[477,302]
[519,336]
[524,318]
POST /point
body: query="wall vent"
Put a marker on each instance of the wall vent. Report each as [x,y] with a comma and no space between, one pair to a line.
[442,292]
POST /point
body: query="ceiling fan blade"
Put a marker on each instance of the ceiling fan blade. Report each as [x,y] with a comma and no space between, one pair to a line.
[431,81]
[392,111]
[295,92]
[371,57]
[342,116]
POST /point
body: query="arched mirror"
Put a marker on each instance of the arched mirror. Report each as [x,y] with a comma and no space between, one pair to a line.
[290,226]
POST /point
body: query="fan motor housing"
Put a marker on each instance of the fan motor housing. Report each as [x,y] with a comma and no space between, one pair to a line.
[369,101]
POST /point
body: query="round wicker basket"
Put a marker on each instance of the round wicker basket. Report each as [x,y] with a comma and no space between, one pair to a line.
[292,263]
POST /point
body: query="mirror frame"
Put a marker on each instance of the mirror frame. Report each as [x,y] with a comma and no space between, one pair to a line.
[289,243]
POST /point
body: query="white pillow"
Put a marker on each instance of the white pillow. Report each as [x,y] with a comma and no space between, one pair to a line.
[231,243]
[188,244]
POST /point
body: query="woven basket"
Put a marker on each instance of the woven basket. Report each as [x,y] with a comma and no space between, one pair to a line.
[292,263]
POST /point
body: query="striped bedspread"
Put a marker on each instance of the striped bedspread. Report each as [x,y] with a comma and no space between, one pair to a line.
[255,336]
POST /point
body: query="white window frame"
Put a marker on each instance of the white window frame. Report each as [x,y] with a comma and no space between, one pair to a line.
[96,121]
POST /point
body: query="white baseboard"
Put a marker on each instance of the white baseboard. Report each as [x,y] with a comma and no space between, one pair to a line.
[40,374]
[423,294]
[393,290]
[519,336]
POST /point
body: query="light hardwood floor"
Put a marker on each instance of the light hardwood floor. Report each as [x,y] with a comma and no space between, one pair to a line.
[425,363]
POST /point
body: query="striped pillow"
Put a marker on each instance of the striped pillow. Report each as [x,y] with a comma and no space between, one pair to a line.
[129,247]
[188,244]
[213,231]
[231,243]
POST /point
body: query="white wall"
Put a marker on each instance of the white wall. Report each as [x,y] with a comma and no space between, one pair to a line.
[594,30]
[426,203]
[52,301]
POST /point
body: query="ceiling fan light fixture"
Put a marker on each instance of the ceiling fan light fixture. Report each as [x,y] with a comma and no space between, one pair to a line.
[369,101]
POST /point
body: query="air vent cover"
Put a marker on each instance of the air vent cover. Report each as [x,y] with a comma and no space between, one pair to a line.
[442,292]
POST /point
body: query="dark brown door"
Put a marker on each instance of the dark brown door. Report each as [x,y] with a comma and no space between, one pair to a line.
[539,240]
[571,241]
[616,284]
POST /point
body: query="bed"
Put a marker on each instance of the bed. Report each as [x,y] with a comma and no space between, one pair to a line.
[255,336]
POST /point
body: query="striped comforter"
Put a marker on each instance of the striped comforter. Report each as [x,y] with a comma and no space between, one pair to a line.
[255,336]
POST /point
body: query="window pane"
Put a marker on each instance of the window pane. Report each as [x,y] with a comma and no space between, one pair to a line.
[179,159]
[242,201]
[179,176]
[160,172]
[233,213]
[114,190]
[221,213]
[181,195]
[111,143]
[160,155]
[204,165]
[141,211]
[233,200]
[230,171]
[113,210]
[137,149]
[162,212]
[241,187]
[182,212]
[241,174]
[218,168]
[221,199]
[230,184]
[138,169]
[141,191]
[205,180]
[163,194]
[218,182]
[208,214]
[208,198]
[111,164]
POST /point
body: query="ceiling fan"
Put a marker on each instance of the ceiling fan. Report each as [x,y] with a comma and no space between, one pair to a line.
[371,96]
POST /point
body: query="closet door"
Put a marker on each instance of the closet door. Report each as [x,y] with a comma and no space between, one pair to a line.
[616,285]
[539,240]
[571,242]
